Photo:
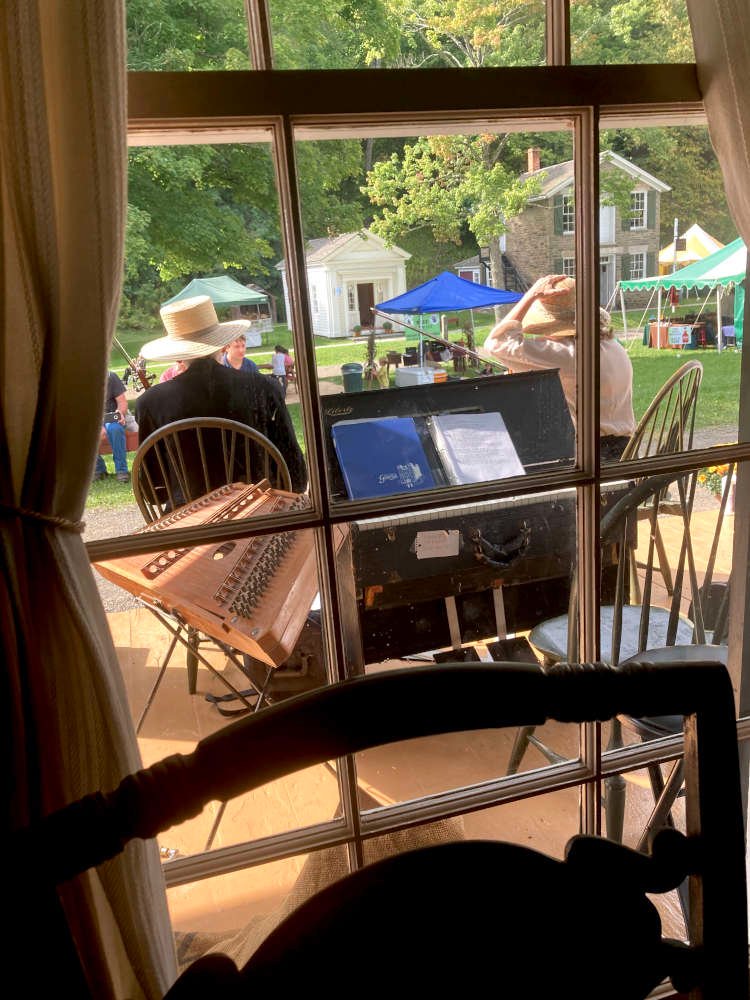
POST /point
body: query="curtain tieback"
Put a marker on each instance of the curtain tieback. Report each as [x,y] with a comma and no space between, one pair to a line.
[6,510]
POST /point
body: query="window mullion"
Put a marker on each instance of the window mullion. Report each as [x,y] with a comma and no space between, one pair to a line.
[558,33]
[260,34]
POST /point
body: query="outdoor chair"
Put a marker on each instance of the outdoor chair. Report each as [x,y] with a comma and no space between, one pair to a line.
[181,462]
[665,428]
[450,919]
[186,459]
[632,630]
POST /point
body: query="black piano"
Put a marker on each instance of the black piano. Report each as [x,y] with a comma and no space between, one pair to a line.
[447,577]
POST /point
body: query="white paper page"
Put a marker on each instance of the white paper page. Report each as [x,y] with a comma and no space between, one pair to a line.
[475,447]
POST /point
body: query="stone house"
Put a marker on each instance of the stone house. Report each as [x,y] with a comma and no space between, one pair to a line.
[541,240]
[346,276]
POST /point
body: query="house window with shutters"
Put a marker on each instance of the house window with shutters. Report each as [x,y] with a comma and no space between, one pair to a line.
[569,266]
[568,214]
[638,210]
[636,266]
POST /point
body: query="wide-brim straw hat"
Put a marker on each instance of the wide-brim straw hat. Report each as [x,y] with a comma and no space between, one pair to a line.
[555,317]
[193,331]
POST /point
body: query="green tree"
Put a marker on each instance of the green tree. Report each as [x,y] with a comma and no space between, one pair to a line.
[202,209]
[446,183]
[630,31]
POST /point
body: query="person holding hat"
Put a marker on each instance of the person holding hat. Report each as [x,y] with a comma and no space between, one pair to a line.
[539,332]
[207,388]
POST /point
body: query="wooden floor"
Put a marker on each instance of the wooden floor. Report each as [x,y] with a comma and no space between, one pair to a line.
[177,720]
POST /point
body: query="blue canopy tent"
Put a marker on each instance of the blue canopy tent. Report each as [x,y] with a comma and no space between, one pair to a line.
[447,293]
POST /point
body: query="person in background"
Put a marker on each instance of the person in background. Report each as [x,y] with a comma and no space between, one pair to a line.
[278,366]
[115,412]
[172,371]
[288,367]
[540,332]
[234,356]
[210,389]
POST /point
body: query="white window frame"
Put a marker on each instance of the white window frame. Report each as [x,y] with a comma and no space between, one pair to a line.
[638,209]
[568,215]
[199,105]
[639,271]
[569,266]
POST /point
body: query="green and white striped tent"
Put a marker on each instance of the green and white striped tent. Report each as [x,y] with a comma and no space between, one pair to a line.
[721,271]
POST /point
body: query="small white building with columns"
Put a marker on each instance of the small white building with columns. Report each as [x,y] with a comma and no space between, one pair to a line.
[346,276]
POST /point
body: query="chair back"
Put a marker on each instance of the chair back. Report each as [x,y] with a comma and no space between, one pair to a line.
[668,423]
[186,459]
[644,624]
[454,918]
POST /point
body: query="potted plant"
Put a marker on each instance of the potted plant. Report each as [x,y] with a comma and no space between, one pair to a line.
[387,327]
[713,477]
[357,329]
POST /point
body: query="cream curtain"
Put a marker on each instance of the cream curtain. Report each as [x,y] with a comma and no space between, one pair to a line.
[721,38]
[66,725]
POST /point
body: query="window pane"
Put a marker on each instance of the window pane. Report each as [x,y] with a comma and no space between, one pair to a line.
[202,220]
[607,31]
[336,35]
[250,634]
[470,583]
[658,183]
[180,35]
[461,225]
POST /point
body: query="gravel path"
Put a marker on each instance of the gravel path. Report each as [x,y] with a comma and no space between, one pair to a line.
[103,522]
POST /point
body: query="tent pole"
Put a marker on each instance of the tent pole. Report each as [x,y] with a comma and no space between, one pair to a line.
[718,319]
[658,319]
[624,314]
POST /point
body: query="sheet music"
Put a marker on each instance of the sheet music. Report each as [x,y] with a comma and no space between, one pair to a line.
[475,447]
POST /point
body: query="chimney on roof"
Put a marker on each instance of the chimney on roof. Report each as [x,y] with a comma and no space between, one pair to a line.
[533,157]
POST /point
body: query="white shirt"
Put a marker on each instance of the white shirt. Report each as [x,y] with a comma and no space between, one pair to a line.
[277,363]
[523,354]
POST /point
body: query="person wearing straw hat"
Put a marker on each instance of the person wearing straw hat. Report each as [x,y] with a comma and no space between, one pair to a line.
[207,388]
[540,332]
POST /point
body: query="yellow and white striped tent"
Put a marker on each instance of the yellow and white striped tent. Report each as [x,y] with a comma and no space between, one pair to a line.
[698,244]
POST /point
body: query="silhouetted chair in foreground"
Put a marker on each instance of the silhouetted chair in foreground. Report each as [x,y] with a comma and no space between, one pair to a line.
[451,919]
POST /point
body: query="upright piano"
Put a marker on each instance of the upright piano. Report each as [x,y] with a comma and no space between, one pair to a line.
[449,576]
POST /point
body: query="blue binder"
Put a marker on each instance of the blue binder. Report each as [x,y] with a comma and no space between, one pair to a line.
[381,456]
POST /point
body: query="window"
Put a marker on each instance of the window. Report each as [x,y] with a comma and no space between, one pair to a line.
[314,304]
[568,214]
[638,210]
[324,130]
[637,266]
